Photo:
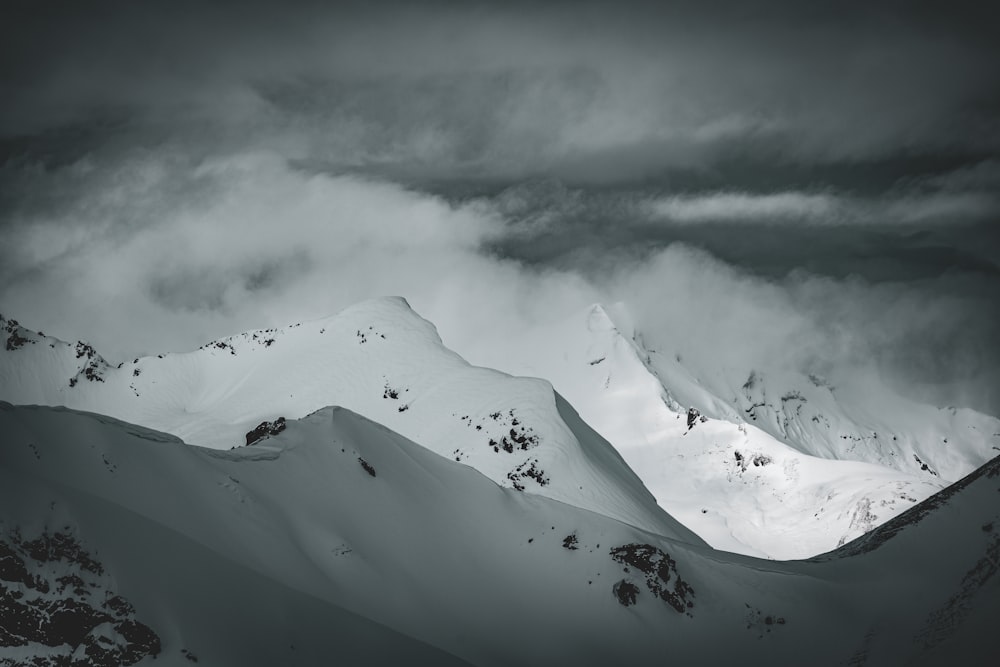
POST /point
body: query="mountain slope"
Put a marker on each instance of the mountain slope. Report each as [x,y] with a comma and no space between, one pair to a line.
[378,358]
[344,526]
[743,484]
[774,478]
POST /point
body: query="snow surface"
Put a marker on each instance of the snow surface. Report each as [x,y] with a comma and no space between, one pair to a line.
[379,359]
[290,551]
[790,478]
[786,478]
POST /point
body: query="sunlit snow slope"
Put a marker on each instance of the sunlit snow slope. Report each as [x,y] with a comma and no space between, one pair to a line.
[784,478]
[338,540]
[379,359]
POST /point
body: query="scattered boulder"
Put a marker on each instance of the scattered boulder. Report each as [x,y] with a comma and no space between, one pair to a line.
[924,466]
[369,468]
[626,592]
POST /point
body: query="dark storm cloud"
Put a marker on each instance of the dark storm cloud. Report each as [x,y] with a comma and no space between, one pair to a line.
[593,92]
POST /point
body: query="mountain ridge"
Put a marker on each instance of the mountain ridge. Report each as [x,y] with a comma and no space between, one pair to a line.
[501,577]
[742,485]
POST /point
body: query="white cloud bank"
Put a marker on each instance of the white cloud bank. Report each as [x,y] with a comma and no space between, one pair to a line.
[155,254]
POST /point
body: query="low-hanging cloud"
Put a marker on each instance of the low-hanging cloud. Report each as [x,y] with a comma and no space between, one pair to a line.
[174,175]
[803,208]
[261,244]
[935,344]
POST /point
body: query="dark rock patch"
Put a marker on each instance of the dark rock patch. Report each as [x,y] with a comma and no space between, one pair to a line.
[119,606]
[15,340]
[743,461]
[507,434]
[660,569]
[626,592]
[692,417]
[369,468]
[529,469]
[72,581]
[60,546]
[85,350]
[265,429]
[60,619]
[924,466]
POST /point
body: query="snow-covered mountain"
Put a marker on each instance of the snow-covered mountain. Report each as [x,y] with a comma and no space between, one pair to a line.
[781,479]
[379,359]
[339,540]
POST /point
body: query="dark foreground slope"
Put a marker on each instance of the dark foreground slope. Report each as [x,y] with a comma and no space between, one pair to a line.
[338,540]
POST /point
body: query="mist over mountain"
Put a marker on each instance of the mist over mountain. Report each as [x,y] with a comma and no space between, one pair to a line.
[201,166]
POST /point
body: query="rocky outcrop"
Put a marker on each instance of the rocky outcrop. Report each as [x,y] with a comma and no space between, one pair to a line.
[265,430]
[15,339]
[56,602]
[660,572]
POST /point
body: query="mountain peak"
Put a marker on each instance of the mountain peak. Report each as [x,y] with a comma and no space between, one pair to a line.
[378,359]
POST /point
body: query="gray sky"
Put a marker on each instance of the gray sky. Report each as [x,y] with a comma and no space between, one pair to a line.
[209,168]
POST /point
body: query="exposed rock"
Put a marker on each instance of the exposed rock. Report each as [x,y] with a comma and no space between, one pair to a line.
[15,339]
[743,461]
[369,468]
[266,429]
[659,569]
[924,466]
[530,470]
[626,592]
[59,622]
[60,546]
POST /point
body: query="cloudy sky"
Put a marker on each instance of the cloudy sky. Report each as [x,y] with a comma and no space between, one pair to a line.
[784,184]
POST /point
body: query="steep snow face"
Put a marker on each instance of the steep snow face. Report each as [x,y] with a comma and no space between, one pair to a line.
[754,480]
[854,421]
[379,359]
[338,538]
